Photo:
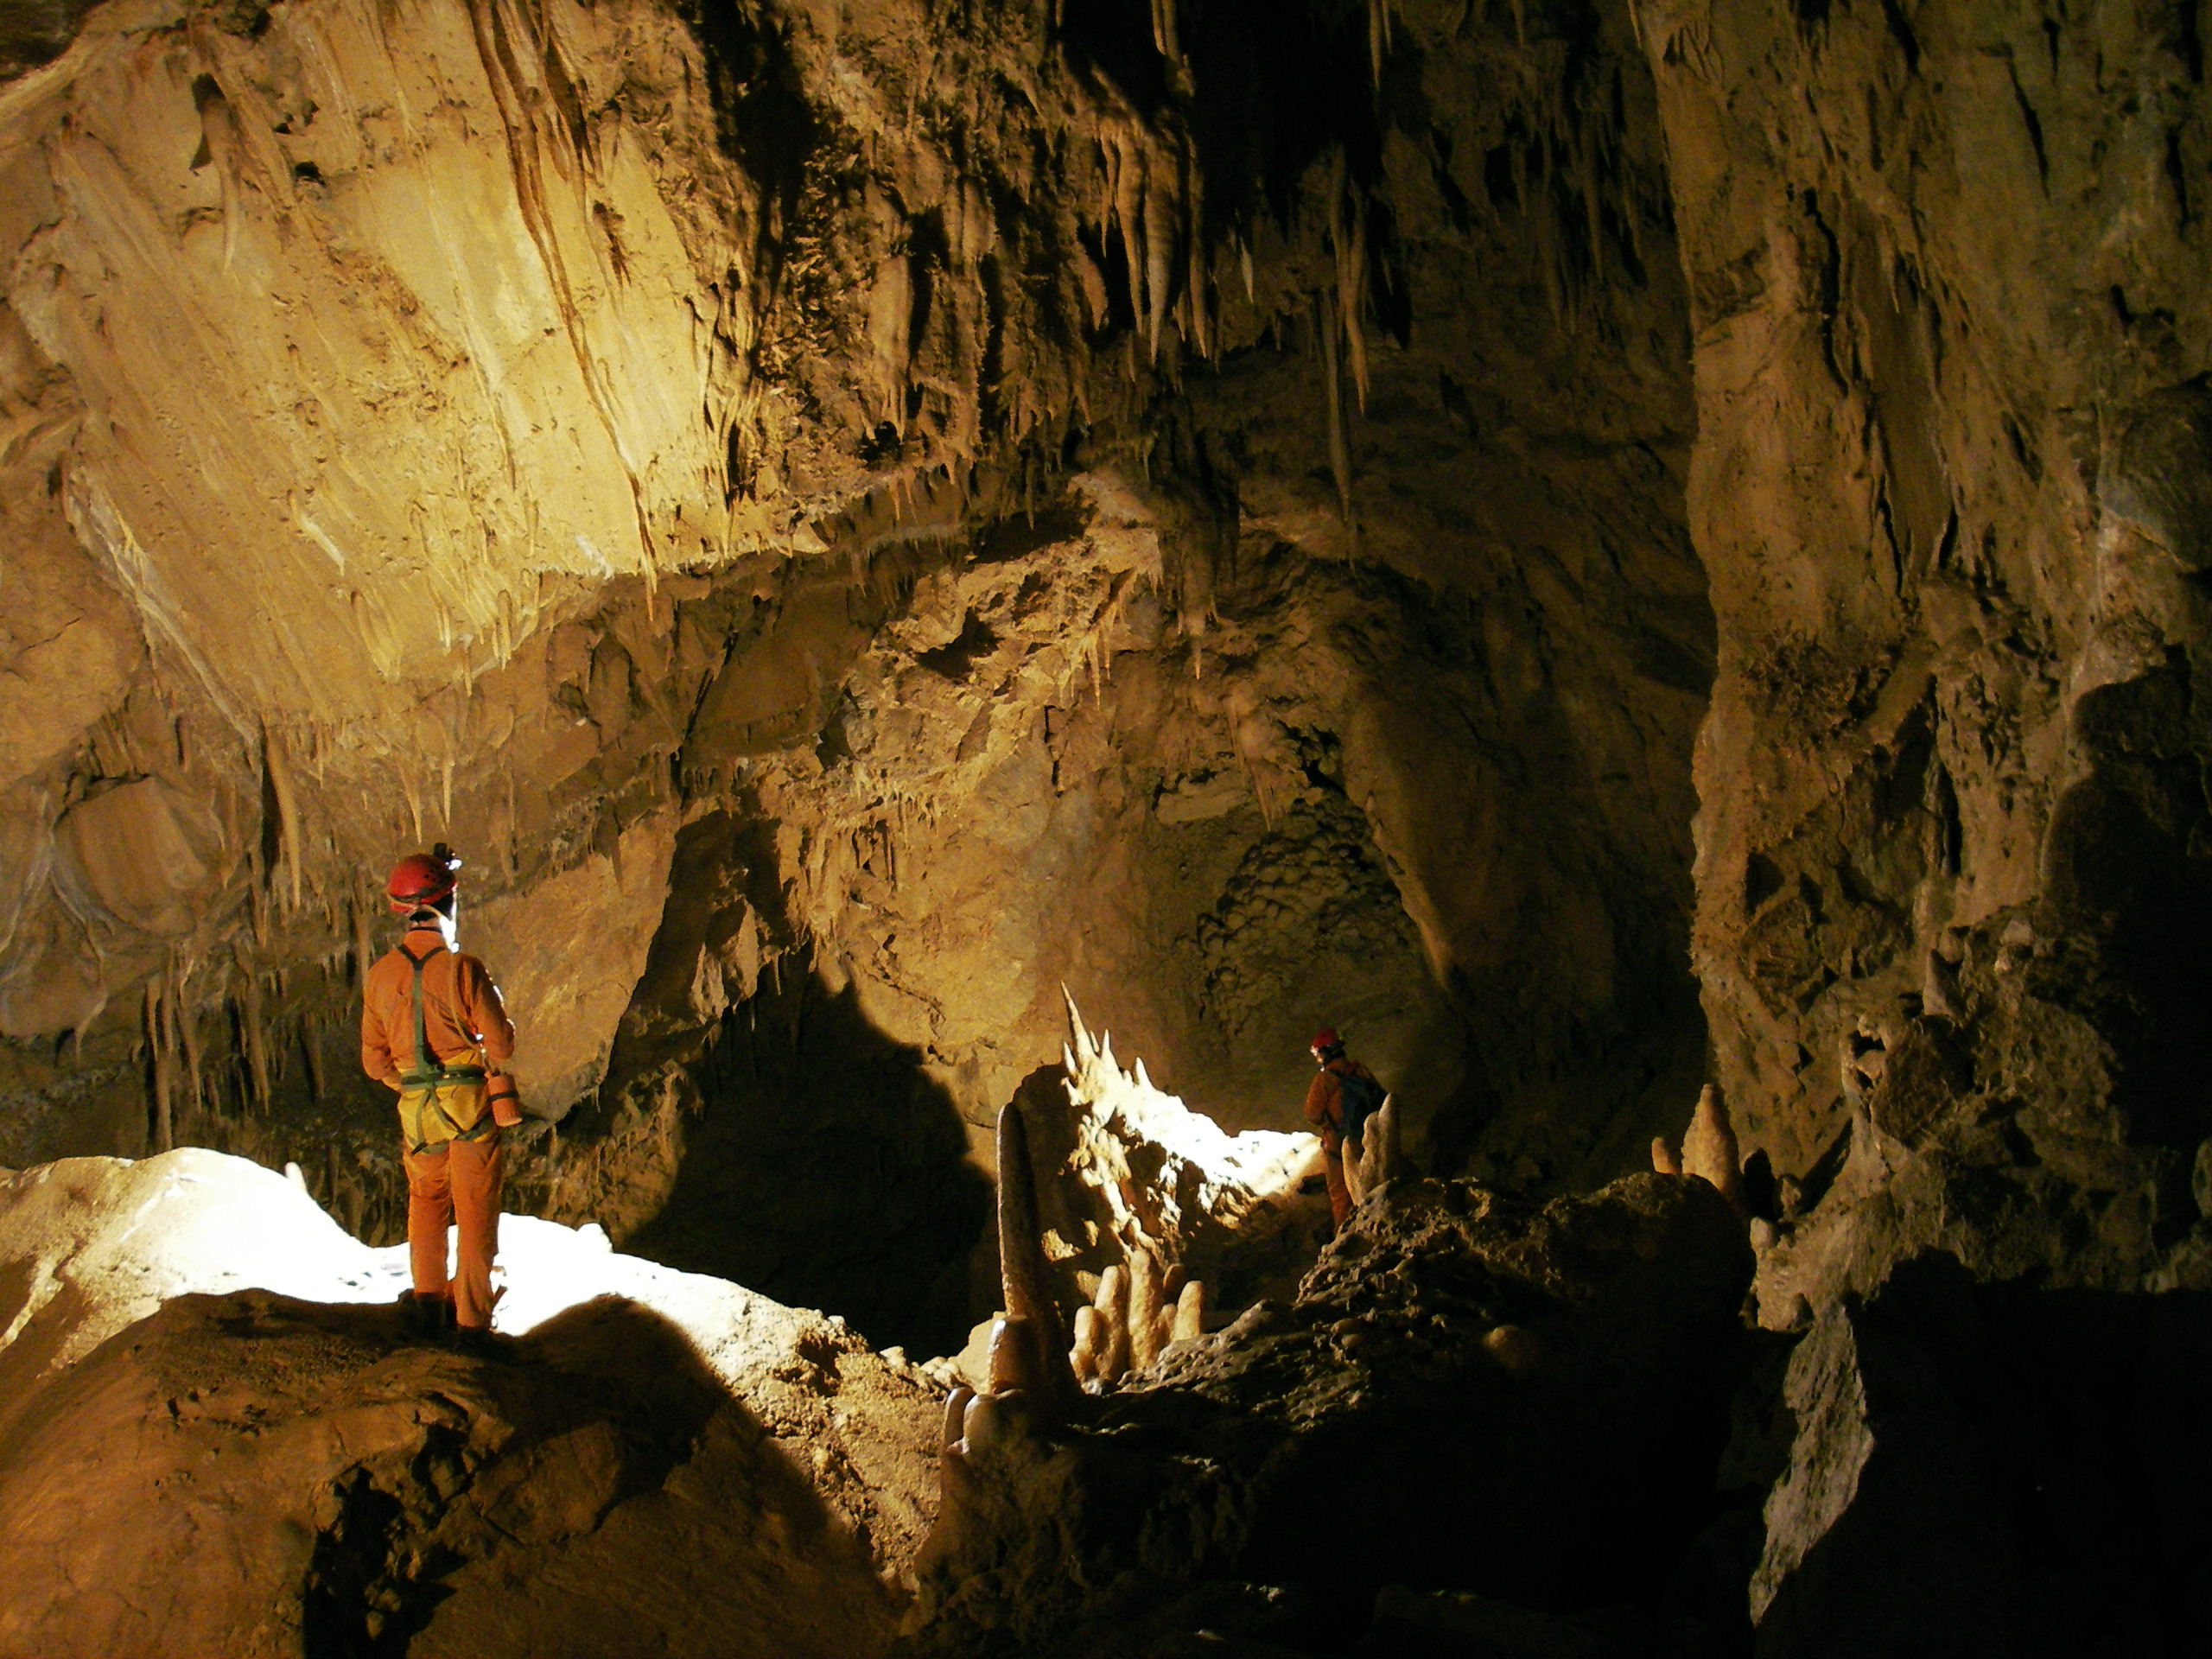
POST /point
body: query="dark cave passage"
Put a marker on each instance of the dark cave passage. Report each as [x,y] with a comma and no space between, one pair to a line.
[826,1169]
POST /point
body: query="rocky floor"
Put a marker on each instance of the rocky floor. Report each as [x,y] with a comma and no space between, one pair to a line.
[254,1475]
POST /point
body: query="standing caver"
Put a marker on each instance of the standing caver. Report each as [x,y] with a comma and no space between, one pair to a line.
[433,1028]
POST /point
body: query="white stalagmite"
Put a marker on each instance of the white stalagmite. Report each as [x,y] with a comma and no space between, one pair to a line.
[1112,1306]
[1144,1310]
[1135,1314]
[1084,1357]
[1709,1148]
[1190,1312]
[1224,1179]
[1381,1155]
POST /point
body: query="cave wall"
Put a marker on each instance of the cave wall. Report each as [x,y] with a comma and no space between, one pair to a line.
[903,507]
[1952,822]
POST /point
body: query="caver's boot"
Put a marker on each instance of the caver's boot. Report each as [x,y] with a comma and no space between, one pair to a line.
[426,1319]
[479,1341]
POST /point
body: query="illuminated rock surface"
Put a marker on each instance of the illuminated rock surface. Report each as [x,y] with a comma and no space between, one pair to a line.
[1603,548]
[656,1458]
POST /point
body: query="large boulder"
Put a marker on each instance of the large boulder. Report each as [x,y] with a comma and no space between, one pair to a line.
[1993,1470]
[216,1438]
[253,1475]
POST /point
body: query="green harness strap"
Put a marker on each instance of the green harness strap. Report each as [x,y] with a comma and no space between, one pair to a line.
[429,1074]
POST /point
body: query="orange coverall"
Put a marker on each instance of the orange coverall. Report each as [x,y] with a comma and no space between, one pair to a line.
[456,1184]
[1325,1109]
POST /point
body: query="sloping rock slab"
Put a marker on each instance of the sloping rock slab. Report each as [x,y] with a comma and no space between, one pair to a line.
[249,1475]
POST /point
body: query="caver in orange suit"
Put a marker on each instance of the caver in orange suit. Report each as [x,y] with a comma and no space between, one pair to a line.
[1325,1110]
[433,1028]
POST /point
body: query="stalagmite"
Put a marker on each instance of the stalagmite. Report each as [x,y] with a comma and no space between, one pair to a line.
[1135,1313]
[1381,1155]
[1112,1304]
[1709,1148]
[1144,1309]
[1085,1356]
[955,1424]
[1024,1276]
[1191,1312]
[1665,1160]
[1014,1360]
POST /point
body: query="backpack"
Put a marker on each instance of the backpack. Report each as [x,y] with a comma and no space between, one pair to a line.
[1358,1099]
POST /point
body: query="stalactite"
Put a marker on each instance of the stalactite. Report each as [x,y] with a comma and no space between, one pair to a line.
[1334,394]
[1348,240]
[1163,30]
[1379,19]
[364,952]
[290,846]
[311,1056]
[256,1040]
[1159,245]
[157,1046]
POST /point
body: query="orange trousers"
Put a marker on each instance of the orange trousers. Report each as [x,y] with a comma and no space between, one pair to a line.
[1332,1169]
[457,1183]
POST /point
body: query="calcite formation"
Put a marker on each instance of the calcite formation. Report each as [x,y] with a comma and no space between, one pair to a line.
[1231,1467]
[1378,1156]
[1597,548]
[1709,1150]
[1132,1317]
[1950,854]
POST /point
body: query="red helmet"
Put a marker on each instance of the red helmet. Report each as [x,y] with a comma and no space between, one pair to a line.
[1326,1037]
[421,879]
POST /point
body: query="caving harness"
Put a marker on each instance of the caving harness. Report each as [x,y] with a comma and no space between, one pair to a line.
[440,1103]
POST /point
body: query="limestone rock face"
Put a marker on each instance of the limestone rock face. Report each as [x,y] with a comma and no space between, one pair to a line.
[1060,542]
[1951,837]
[571,952]
[338,290]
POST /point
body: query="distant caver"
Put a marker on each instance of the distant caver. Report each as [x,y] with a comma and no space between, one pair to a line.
[1338,1102]
[434,1027]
